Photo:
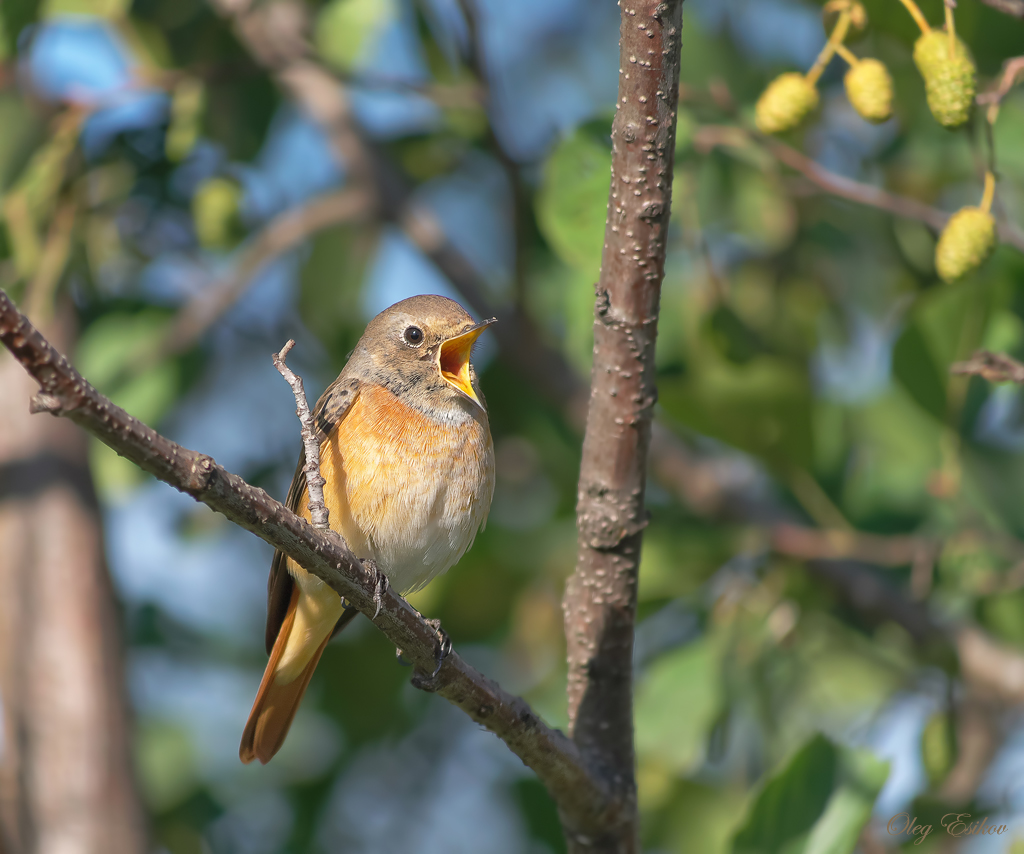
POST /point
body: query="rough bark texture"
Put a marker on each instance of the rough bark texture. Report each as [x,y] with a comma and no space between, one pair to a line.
[581,795]
[66,781]
[600,598]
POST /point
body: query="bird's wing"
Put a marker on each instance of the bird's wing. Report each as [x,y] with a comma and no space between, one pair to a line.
[328,413]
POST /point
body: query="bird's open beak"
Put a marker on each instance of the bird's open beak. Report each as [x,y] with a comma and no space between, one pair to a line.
[453,359]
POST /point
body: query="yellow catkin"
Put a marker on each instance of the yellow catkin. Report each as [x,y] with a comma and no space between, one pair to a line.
[869,88]
[967,240]
[785,103]
[949,81]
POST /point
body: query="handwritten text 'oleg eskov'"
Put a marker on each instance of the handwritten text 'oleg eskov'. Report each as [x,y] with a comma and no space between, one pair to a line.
[955,824]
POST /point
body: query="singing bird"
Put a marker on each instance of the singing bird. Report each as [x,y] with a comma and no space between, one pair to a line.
[406,453]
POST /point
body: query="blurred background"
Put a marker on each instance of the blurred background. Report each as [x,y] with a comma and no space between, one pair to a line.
[835,539]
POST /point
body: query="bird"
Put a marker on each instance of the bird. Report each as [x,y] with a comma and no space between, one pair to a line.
[408,462]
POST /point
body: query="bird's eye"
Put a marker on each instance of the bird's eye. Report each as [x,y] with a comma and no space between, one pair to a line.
[413,336]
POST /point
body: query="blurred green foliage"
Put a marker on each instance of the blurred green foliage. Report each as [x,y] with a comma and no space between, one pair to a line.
[803,338]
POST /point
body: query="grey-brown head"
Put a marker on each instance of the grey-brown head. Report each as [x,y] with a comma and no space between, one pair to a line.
[420,350]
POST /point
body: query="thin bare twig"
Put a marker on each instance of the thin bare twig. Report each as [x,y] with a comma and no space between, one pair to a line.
[993,669]
[815,544]
[731,136]
[1012,70]
[994,367]
[311,442]
[462,96]
[582,796]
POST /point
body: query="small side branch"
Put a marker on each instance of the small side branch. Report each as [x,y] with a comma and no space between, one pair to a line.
[994,367]
[310,441]
[584,798]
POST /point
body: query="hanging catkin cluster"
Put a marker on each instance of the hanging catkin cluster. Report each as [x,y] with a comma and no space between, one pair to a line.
[968,238]
[790,97]
[868,86]
[785,103]
[950,83]
[949,76]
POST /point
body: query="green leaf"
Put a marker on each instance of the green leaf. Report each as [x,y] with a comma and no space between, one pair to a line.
[105,349]
[938,747]
[686,127]
[1003,615]
[187,106]
[573,200]
[31,199]
[701,818]
[99,8]
[791,802]
[677,700]
[215,211]
[817,804]
[896,447]
[862,776]
[915,367]
[15,15]
[763,406]
[677,559]
[733,338]
[345,26]
[946,324]
[331,280]
[1008,131]
[762,211]
[1005,332]
[166,763]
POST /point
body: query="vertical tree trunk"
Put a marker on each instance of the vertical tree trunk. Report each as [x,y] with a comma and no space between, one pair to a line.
[66,780]
[600,598]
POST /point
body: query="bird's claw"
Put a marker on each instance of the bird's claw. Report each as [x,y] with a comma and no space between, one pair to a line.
[444,645]
[380,588]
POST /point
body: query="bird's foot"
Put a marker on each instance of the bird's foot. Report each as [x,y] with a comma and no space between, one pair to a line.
[444,645]
[380,588]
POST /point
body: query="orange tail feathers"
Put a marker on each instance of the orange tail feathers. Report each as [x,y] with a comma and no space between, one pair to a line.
[276,701]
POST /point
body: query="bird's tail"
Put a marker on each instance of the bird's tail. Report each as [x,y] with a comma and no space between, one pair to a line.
[307,627]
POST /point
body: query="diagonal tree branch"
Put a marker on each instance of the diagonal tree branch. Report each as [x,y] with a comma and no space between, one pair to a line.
[580,794]
[1014,8]
[600,597]
[282,234]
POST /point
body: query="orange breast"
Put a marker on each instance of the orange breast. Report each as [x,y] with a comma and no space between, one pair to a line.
[407,490]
